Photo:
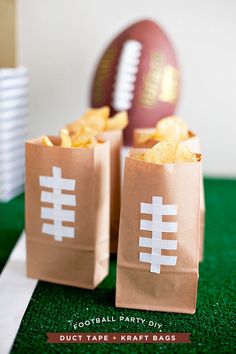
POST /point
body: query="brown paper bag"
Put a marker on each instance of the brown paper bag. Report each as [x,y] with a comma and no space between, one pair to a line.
[194,145]
[67,213]
[157,266]
[115,137]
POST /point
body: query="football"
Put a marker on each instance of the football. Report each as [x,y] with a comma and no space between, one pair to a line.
[138,72]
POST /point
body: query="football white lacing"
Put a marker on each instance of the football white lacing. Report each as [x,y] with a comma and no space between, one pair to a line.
[56,213]
[157,227]
[126,75]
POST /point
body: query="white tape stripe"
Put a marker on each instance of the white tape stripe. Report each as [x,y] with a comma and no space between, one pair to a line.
[56,172]
[156,235]
[58,214]
[146,242]
[146,257]
[155,268]
[168,260]
[162,226]
[157,244]
[157,200]
[58,198]
[58,183]
[168,209]
[63,231]
[157,260]
[146,208]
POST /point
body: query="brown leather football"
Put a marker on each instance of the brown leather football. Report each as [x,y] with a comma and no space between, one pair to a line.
[138,72]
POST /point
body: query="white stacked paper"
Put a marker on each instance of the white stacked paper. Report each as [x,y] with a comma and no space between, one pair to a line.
[13,130]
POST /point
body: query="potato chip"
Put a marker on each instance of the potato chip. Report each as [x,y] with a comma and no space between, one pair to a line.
[145,136]
[65,138]
[171,129]
[46,141]
[118,121]
[161,153]
[98,120]
[76,125]
[168,152]
[168,129]
[97,123]
[85,142]
[103,112]
[183,154]
[94,118]
[85,137]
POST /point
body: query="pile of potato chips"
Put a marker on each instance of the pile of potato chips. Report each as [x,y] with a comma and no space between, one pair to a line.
[83,131]
[168,129]
[168,152]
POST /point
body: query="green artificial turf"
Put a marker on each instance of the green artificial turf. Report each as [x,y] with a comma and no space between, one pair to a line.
[11,225]
[56,308]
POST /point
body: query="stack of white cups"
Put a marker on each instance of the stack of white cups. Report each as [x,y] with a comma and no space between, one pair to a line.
[13,130]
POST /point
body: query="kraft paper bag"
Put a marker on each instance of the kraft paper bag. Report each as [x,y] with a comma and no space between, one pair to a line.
[194,145]
[157,266]
[115,137]
[67,213]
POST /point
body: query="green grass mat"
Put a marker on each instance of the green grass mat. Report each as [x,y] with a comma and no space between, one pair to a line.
[11,225]
[55,308]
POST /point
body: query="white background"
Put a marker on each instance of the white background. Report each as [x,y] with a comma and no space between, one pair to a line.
[60,41]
